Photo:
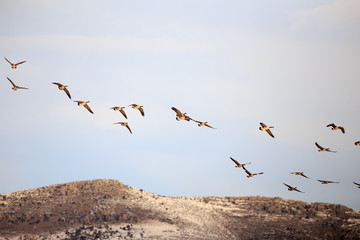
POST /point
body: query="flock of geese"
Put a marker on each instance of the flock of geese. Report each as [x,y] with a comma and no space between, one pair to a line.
[183,116]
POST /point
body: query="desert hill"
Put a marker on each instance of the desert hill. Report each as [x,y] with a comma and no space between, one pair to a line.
[108,209]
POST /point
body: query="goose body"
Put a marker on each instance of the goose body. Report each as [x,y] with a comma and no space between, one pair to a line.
[15,87]
[239,165]
[14,65]
[335,127]
[85,104]
[120,109]
[125,124]
[64,88]
[140,108]
[264,127]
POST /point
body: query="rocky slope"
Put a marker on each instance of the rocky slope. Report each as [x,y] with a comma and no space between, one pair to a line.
[108,209]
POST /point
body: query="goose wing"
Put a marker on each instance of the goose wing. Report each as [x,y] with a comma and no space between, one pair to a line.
[88,108]
[358,184]
[19,63]
[11,82]
[178,113]
[287,185]
[8,61]
[247,171]
[209,126]
[342,129]
[67,92]
[22,88]
[236,162]
[128,127]
[270,133]
[263,125]
[123,113]
[331,125]
[320,147]
[58,84]
[141,111]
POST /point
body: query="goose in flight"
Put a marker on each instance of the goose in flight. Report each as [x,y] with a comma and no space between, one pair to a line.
[321,149]
[326,181]
[64,88]
[300,174]
[124,124]
[357,184]
[290,188]
[249,174]
[15,87]
[13,65]
[267,129]
[334,127]
[140,108]
[120,109]
[203,124]
[82,103]
[239,165]
[180,115]
[357,143]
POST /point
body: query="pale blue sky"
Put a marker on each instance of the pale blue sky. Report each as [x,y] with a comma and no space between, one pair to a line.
[291,64]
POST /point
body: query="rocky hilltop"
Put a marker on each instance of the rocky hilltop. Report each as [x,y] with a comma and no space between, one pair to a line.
[108,209]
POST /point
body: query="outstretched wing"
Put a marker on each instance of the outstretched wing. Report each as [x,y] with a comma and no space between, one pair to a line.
[88,108]
[8,61]
[288,185]
[19,63]
[342,129]
[263,125]
[128,128]
[270,133]
[123,113]
[247,171]
[58,84]
[142,111]
[236,162]
[178,113]
[320,147]
[209,126]
[331,125]
[67,92]
[11,81]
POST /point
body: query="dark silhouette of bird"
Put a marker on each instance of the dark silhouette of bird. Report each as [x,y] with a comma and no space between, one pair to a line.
[13,65]
[64,88]
[239,165]
[15,87]
[357,184]
[83,103]
[267,129]
[321,149]
[120,109]
[357,143]
[290,188]
[334,127]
